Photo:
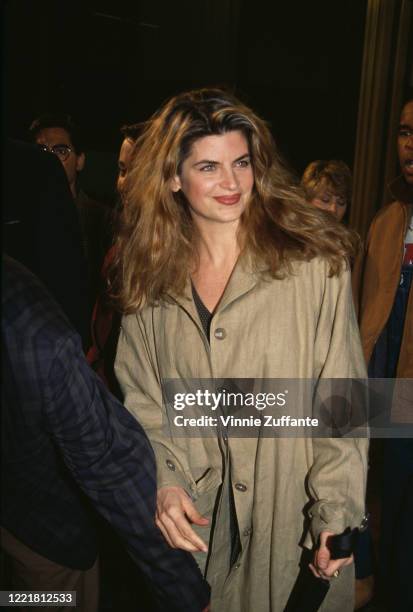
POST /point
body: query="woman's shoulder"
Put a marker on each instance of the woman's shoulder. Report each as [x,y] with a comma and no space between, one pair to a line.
[145,313]
[318,265]
[316,273]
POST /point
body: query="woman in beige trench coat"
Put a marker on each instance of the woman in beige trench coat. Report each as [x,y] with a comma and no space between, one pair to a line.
[223,271]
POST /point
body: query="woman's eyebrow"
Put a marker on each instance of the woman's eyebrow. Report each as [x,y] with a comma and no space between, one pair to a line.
[206,161]
[242,157]
[211,161]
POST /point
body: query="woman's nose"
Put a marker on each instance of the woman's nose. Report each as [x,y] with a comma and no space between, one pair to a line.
[229,178]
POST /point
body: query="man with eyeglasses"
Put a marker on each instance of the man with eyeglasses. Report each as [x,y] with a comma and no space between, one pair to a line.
[57,134]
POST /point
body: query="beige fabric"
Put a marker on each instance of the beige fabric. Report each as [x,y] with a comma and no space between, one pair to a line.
[299,327]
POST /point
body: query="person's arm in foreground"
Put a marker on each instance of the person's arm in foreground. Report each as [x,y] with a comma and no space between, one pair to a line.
[112,460]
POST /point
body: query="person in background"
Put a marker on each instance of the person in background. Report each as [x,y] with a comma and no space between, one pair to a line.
[130,134]
[119,575]
[328,186]
[382,279]
[105,318]
[41,230]
[68,445]
[58,134]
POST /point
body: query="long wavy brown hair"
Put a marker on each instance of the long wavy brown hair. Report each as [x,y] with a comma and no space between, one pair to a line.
[156,248]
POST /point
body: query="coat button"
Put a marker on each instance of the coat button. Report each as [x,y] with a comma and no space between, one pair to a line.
[237,565]
[240,487]
[247,531]
[171,465]
[220,333]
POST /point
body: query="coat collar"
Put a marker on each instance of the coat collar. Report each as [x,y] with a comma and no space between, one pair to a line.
[244,277]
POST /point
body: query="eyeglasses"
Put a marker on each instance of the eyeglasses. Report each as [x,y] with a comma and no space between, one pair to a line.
[61,150]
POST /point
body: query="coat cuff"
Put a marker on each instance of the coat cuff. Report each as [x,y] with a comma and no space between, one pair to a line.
[328,517]
[170,472]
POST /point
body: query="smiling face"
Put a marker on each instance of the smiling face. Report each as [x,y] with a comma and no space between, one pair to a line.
[405,142]
[217,178]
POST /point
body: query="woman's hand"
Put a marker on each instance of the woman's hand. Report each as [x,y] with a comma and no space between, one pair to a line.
[174,514]
[323,566]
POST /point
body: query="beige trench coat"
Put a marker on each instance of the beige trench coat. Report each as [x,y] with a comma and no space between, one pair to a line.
[300,327]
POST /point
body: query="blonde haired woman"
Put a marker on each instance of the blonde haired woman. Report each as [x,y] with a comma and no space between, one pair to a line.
[223,271]
[328,185]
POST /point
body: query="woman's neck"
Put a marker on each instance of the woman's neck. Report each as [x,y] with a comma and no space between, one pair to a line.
[218,245]
[217,255]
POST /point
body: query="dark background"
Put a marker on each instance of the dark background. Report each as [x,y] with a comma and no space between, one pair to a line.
[110,62]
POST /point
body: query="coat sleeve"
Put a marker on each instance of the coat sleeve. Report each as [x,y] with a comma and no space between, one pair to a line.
[337,478]
[139,379]
[111,459]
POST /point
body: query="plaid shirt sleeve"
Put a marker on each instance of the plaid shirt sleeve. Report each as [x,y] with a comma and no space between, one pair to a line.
[111,458]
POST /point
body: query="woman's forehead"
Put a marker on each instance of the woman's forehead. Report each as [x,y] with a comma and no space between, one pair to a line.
[233,142]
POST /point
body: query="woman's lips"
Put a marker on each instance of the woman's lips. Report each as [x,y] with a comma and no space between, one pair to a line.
[228,200]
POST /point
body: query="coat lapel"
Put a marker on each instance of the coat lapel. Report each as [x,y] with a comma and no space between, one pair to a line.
[244,277]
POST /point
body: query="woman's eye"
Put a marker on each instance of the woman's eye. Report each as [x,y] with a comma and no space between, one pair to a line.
[207,168]
[243,163]
[405,133]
